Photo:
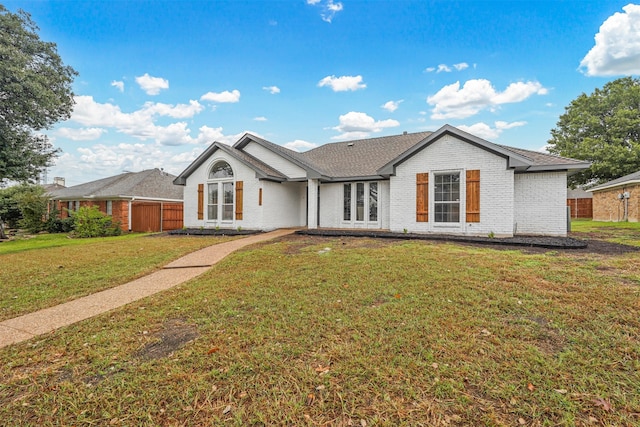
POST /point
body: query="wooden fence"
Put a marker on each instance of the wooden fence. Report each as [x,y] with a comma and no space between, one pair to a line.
[581,208]
[155,216]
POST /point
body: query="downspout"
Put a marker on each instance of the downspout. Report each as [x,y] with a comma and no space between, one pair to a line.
[129,213]
[161,215]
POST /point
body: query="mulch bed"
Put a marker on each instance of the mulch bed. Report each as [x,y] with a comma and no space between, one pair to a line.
[530,243]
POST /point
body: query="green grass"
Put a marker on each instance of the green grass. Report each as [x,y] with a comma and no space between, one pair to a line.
[626,233]
[372,332]
[50,269]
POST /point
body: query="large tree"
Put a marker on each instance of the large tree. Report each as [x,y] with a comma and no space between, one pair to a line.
[35,93]
[603,128]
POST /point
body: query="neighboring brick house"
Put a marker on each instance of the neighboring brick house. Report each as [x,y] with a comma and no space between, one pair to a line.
[617,200]
[447,181]
[139,201]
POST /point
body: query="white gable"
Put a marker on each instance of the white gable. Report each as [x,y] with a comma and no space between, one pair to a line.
[274,160]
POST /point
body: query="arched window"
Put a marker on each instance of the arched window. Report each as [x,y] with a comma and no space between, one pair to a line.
[221,170]
[220,198]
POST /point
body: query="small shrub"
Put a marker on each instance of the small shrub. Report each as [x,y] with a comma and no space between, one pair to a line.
[90,222]
[491,235]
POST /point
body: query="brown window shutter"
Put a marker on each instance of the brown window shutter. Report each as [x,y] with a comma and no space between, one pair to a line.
[260,197]
[239,200]
[200,201]
[473,195]
[422,197]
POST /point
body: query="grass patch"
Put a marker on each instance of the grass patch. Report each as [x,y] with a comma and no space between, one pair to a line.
[626,233]
[50,269]
[367,333]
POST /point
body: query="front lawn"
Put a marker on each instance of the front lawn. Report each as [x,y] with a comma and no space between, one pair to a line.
[626,233]
[351,332]
[49,269]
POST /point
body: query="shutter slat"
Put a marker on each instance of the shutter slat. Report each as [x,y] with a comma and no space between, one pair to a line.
[200,201]
[239,185]
[422,197]
[473,195]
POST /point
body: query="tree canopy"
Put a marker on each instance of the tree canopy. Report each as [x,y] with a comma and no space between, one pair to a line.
[603,128]
[35,93]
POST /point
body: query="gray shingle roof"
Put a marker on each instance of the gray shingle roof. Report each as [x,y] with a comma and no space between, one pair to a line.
[632,177]
[360,158]
[151,183]
[543,159]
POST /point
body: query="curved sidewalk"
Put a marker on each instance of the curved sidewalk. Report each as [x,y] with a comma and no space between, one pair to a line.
[25,327]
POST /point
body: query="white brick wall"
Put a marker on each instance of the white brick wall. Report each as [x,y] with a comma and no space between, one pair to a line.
[540,203]
[451,154]
[283,205]
[275,161]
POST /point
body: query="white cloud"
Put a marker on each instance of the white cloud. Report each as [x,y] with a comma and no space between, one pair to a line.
[178,111]
[81,134]
[343,83]
[452,101]
[118,84]
[354,125]
[617,45]
[391,106]
[444,68]
[222,97]
[272,89]
[260,119]
[152,85]
[299,145]
[140,124]
[328,8]
[485,131]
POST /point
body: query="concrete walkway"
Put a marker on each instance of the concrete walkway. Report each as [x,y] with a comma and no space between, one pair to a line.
[189,266]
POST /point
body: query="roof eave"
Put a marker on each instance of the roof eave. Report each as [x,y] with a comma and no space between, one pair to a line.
[608,187]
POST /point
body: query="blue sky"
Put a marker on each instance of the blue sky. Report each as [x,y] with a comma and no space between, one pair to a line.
[159,81]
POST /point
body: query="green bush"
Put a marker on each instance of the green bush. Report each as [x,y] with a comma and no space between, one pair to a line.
[57,225]
[90,222]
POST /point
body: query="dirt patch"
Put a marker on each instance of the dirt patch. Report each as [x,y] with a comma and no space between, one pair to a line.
[176,333]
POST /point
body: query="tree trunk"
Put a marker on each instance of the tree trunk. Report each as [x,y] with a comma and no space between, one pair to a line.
[2,233]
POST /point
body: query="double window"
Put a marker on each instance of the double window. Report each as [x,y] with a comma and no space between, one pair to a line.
[361,198]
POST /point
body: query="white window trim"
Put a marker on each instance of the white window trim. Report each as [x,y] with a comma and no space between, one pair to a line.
[219,181]
[354,214]
[432,199]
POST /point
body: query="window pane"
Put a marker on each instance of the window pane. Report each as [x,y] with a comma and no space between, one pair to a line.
[373,201]
[347,203]
[360,201]
[228,192]
[227,212]
[447,197]
[221,170]
[212,202]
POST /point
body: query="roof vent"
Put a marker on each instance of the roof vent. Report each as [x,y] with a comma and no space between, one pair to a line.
[404,133]
[350,144]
